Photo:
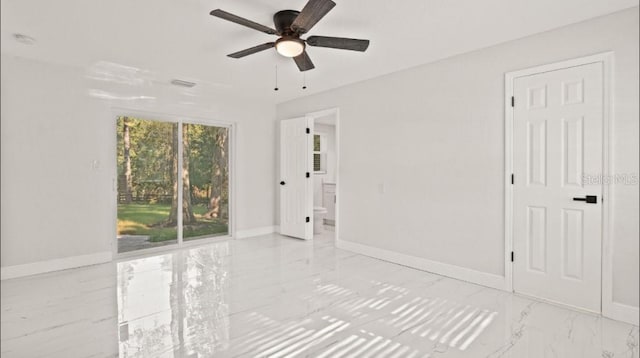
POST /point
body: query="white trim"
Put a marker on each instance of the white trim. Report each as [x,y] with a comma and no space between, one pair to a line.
[168,117]
[35,268]
[152,251]
[600,57]
[610,308]
[258,231]
[179,186]
[231,205]
[508,187]
[337,219]
[457,272]
[556,303]
[622,312]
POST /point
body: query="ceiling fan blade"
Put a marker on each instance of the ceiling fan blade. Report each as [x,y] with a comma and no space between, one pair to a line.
[304,62]
[242,21]
[252,50]
[338,42]
[312,12]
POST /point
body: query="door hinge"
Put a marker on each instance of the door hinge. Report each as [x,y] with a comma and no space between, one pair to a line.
[512,179]
[308,175]
[513,101]
[513,256]
[307,219]
[308,130]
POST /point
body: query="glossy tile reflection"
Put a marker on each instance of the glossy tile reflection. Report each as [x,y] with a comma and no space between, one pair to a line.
[174,305]
[279,297]
[63,314]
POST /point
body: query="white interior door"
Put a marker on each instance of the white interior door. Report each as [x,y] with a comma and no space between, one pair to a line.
[296,183]
[557,145]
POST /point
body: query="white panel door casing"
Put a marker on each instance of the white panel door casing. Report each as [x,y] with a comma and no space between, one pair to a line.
[557,142]
[296,186]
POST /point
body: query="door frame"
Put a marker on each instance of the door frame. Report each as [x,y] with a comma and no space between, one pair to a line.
[323,113]
[606,59]
[179,119]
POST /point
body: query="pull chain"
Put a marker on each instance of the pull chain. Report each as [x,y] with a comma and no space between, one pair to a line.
[304,81]
[276,87]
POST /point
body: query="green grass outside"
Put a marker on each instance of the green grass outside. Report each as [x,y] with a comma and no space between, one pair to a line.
[142,219]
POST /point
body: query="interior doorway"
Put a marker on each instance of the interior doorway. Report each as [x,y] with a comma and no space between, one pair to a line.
[325,188]
[556,149]
[309,175]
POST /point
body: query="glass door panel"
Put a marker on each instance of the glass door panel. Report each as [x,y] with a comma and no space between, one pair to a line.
[147,159]
[205,181]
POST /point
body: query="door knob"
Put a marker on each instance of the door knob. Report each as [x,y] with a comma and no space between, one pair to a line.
[590,199]
[282,183]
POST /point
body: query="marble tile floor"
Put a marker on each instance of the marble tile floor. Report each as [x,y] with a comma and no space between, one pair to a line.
[274,296]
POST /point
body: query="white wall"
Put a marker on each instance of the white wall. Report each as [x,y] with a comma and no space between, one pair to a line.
[329,132]
[421,150]
[56,122]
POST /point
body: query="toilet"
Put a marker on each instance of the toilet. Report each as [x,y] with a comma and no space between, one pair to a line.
[318,219]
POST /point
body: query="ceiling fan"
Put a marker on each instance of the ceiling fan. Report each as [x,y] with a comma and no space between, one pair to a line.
[289,26]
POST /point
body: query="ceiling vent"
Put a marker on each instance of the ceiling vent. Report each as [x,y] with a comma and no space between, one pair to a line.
[183,83]
[24,39]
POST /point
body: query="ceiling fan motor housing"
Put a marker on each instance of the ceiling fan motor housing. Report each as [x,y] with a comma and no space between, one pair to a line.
[283,20]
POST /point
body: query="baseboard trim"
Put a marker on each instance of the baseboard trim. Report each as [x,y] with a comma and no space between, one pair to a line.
[621,312]
[264,230]
[34,268]
[457,272]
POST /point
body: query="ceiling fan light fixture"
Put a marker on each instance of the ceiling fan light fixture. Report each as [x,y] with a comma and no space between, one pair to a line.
[289,47]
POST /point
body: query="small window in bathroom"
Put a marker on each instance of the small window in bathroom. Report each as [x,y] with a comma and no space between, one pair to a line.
[319,154]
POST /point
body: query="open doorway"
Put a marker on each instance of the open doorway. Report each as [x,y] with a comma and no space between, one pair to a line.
[309,176]
[325,174]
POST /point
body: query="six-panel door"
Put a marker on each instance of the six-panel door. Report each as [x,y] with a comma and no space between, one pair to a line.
[557,143]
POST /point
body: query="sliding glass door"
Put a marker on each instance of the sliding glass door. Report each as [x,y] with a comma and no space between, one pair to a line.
[205,181]
[154,159]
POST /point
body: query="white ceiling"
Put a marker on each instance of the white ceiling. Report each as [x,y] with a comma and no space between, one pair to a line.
[165,39]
